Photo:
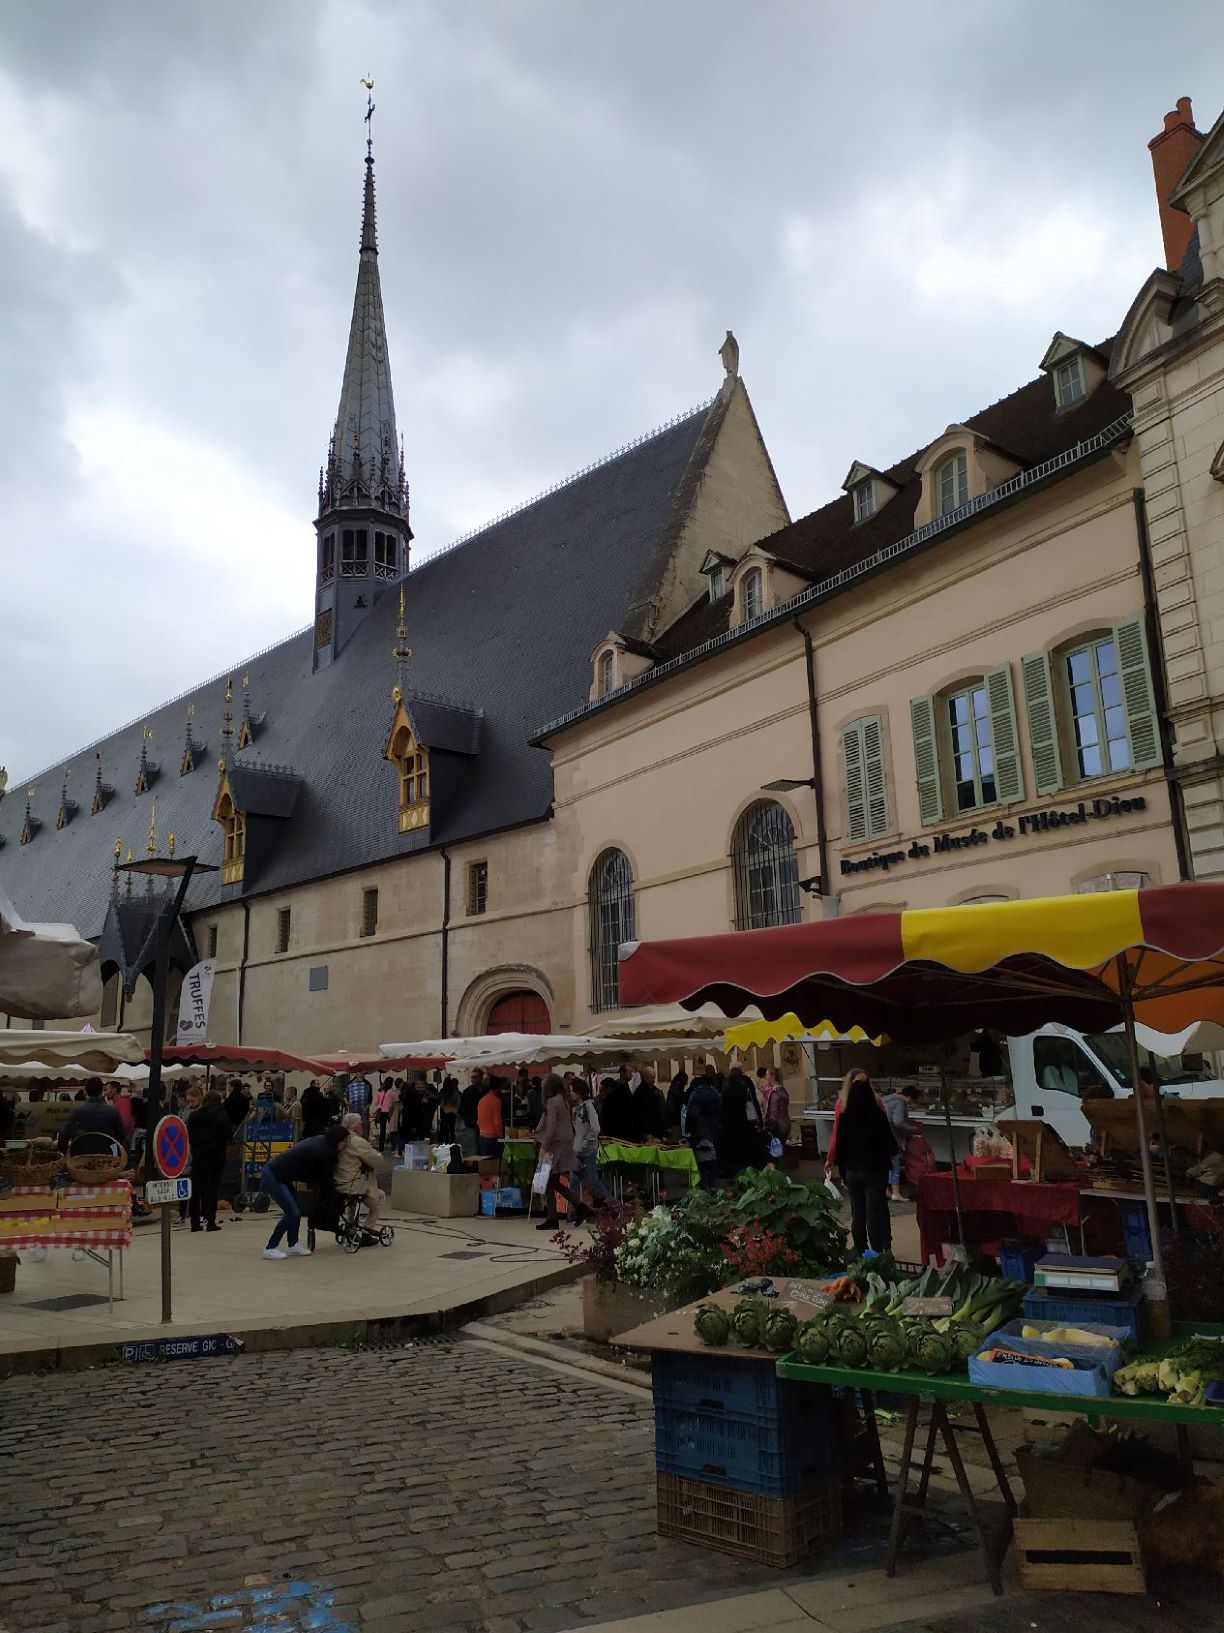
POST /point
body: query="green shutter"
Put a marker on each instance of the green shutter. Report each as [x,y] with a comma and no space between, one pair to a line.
[1009,778]
[1042,722]
[873,777]
[926,759]
[1130,639]
[852,773]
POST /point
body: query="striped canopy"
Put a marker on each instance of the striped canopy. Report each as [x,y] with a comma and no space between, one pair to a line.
[938,973]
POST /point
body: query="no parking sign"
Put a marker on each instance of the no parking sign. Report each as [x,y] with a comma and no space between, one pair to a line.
[170,1147]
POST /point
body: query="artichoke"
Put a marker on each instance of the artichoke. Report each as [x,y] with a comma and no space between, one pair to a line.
[966,1339]
[713,1325]
[814,1343]
[848,1346]
[934,1352]
[780,1328]
[748,1323]
[886,1347]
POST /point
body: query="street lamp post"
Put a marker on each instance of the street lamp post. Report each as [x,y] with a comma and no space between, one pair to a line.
[182,869]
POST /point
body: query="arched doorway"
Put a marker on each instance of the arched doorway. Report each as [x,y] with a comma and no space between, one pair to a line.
[519,1012]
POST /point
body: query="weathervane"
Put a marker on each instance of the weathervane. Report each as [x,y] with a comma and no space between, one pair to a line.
[369,116]
[401,652]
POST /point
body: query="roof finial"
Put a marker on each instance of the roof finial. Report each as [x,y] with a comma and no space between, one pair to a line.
[401,652]
[729,352]
[369,118]
[151,846]
[227,726]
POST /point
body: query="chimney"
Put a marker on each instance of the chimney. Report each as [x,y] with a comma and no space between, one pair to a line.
[1171,152]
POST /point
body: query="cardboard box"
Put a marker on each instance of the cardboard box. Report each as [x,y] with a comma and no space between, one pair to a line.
[445,1196]
[505,1196]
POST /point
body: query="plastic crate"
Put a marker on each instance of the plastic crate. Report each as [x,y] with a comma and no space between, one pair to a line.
[1136,1232]
[1109,1309]
[775,1531]
[1018,1258]
[773,1453]
[715,1382]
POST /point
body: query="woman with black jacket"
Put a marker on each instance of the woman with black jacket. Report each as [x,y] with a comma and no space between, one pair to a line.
[865,1152]
[209,1132]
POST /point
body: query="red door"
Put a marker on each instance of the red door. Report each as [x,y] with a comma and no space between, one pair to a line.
[519,1012]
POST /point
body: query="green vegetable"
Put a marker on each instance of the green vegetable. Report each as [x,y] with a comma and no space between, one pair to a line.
[887,1348]
[748,1323]
[780,1329]
[934,1352]
[848,1346]
[966,1339]
[713,1325]
[813,1343]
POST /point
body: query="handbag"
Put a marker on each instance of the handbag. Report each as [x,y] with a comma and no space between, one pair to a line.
[539,1180]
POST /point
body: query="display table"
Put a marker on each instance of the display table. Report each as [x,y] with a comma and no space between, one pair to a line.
[92,1219]
[1020,1206]
[675,1159]
[936,1392]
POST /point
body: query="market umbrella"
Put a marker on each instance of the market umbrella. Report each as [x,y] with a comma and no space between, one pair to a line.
[1089,962]
[232,1057]
[47,971]
[37,1071]
[666,1021]
[343,1061]
[790,1029]
[531,1049]
[91,1053]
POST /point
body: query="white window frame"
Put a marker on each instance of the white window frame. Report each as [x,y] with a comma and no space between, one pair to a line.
[864,500]
[605,673]
[969,690]
[955,467]
[1091,649]
[754,579]
[1070,387]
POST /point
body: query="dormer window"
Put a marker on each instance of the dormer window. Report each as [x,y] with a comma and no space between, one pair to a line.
[718,581]
[754,593]
[605,674]
[411,761]
[864,500]
[952,483]
[233,826]
[1069,384]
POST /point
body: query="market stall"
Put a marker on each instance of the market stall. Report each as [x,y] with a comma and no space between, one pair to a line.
[47,971]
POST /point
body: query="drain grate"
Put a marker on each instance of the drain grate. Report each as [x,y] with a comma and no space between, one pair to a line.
[68,1301]
[477,1253]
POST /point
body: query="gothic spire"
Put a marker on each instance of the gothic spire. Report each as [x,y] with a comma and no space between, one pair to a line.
[363,466]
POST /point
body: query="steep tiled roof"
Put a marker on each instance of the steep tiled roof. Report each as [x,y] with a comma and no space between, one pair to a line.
[501,627]
[1027,426]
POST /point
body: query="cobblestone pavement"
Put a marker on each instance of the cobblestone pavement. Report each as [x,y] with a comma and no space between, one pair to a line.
[444,1486]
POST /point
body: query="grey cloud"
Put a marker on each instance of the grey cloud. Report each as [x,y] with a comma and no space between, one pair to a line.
[575,200]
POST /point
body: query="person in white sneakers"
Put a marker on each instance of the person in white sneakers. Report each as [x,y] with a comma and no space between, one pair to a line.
[311,1162]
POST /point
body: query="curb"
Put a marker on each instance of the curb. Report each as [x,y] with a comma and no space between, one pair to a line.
[372,1330]
[575,1360]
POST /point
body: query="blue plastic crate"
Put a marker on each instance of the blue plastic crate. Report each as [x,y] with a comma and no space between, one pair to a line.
[718,1381]
[1136,1231]
[1018,1259]
[1108,1309]
[771,1455]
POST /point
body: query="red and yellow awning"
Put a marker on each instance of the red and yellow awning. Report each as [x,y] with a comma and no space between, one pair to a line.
[936,973]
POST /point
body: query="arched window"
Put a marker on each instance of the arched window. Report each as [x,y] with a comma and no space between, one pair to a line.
[233,824]
[754,594]
[612,921]
[952,484]
[605,674]
[412,763]
[766,868]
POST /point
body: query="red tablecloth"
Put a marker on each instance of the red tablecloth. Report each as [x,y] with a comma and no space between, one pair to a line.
[1017,1206]
[76,1216]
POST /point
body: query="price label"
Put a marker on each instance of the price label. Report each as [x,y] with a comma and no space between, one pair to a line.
[927,1306]
[807,1292]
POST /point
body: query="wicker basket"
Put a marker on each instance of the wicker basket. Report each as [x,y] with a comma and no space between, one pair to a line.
[97,1167]
[36,1163]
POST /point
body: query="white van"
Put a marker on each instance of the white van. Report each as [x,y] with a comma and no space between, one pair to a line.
[1055,1069]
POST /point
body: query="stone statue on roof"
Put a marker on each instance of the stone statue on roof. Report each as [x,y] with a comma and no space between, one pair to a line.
[729,352]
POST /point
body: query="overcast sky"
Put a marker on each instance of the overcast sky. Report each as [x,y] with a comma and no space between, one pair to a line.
[893,207]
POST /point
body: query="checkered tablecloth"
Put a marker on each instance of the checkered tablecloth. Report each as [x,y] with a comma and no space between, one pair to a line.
[109,1225]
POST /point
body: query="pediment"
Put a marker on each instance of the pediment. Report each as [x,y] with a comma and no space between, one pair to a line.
[1146,326]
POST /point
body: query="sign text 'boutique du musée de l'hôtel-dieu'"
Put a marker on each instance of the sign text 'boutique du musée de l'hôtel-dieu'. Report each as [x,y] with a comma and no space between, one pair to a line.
[1028,825]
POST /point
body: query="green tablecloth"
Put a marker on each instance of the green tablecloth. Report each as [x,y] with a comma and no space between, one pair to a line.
[679,1159]
[956,1387]
[518,1160]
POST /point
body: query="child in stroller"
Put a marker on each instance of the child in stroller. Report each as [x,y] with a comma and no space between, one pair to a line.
[341,1212]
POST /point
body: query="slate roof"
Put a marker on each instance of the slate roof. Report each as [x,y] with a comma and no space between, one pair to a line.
[1027,426]
[501,629]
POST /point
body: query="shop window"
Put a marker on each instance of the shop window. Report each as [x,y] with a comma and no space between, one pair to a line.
[612,921]
[766,867]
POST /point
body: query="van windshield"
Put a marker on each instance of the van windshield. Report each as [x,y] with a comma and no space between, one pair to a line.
[1111,1050]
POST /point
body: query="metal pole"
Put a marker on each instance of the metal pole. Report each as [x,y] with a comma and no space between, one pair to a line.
[1145,1156]
[166,919]
[956,1193]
